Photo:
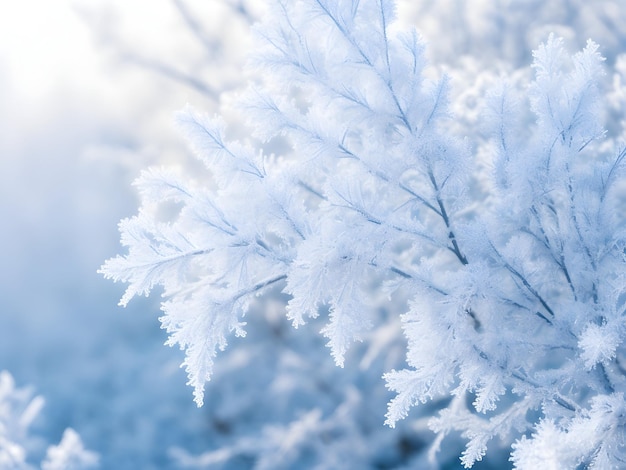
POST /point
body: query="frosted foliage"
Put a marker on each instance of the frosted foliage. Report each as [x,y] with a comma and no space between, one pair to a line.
[18,410]
[70,454]
[507,30]
[515,324]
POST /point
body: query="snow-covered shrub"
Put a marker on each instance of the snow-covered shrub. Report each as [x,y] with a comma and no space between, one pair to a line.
[18,410]
[514,275]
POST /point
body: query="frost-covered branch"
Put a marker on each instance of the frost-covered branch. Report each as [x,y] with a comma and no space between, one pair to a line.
[516,298]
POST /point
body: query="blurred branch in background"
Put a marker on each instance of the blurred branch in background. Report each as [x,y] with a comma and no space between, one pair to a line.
[214,30]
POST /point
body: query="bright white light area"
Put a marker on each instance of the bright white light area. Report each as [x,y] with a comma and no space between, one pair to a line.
[43,42]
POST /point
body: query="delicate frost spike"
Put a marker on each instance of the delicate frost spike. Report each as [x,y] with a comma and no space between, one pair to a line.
[307,282]
[346,326]
[549,58]
[499,120]
[206,137]
[156,251]
[439,95]
[199,326]
[475,450]
[406,384]
[162,184]
[571,112]
[492,388]
[588,63]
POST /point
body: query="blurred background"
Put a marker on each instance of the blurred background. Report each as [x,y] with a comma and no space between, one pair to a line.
[88,91]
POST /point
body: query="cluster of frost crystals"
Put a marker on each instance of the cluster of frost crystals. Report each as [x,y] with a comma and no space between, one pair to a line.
[515,323]
[18,410]
[530,331]
[361,121]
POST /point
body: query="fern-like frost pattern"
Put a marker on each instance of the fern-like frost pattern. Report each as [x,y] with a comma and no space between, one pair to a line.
[517,298]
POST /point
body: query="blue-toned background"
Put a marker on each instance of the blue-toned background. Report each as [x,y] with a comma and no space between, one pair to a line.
[88,91]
